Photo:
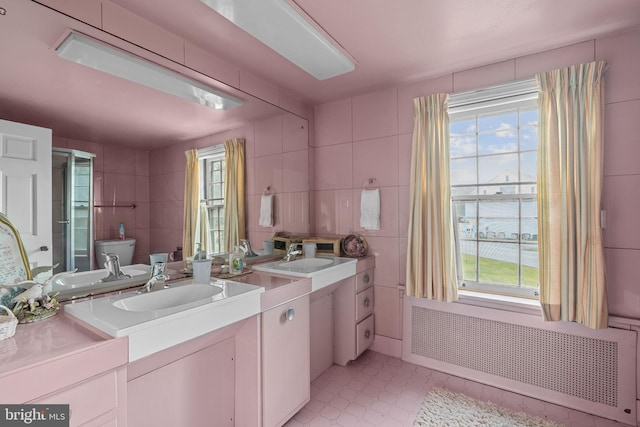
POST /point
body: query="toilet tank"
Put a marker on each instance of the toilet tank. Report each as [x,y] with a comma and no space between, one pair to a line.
[123,248]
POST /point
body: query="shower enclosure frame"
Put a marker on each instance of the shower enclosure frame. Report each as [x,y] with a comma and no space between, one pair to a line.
[69,219]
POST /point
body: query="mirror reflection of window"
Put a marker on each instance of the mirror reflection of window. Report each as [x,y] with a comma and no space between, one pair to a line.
[212,176]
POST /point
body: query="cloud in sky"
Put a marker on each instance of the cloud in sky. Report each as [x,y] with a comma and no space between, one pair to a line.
[505,131]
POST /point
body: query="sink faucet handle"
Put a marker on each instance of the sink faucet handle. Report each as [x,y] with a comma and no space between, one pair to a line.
[110,256]
[294,246]
[245,247]
[158,269]
[292,251]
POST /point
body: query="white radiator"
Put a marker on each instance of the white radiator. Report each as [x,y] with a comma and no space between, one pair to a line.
[559,362]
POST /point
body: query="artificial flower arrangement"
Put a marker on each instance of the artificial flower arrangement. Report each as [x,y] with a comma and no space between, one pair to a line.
[29,310]
[27,299]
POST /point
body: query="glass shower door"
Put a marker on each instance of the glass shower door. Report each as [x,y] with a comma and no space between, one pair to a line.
[73,209]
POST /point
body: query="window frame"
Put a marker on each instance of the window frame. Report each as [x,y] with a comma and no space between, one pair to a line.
[207,157]
[492,101]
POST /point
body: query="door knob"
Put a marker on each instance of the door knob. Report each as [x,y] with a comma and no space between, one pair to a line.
[290,313]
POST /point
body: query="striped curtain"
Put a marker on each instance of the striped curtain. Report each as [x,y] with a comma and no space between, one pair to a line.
[431,261]
[234,185]
[191,202]
[570,170]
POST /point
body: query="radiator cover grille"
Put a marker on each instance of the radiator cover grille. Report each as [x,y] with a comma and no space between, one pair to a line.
[557,361]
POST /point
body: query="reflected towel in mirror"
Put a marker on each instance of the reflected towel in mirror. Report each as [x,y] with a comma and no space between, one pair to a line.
[370,209]
[266,210]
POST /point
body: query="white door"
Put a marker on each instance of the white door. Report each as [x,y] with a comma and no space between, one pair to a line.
[25,186]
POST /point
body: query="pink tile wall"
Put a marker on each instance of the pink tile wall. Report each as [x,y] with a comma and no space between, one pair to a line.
[370,136]
[121,176]
[622,175]
[277,156]
[166,196]
[281,163]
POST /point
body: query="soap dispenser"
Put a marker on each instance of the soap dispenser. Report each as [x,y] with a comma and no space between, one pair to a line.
[236,260]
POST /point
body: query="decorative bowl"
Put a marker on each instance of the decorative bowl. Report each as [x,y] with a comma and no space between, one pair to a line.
[354,246]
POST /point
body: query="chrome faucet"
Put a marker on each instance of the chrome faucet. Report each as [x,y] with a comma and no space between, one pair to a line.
[158,274]
[112,265]
[292,252]
[245,247]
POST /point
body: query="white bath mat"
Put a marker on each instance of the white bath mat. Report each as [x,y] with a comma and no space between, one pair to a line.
[444,408]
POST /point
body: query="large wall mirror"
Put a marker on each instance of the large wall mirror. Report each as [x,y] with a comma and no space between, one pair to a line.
[37,87]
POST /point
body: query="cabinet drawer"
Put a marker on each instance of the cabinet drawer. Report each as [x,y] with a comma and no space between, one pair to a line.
[364,304]
[88,399]
[364,335]
[364,280]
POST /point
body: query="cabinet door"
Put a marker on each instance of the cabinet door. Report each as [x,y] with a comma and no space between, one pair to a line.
[285,361]
[197,390]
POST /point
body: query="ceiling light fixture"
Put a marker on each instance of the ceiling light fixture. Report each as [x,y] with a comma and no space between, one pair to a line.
[100,56]
[283,28]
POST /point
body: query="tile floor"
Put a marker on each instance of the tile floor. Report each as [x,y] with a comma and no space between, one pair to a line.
[378,390]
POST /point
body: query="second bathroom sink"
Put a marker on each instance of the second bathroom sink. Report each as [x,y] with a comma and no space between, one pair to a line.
[323,271]
[305,265]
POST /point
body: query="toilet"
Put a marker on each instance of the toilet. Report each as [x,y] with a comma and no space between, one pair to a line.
[123,248]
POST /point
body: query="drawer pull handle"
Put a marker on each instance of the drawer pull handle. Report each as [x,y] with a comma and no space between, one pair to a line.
[365,278]
[366,302]
[290,313]
[367,334]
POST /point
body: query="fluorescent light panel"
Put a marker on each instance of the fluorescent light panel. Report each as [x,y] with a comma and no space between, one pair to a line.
[279,26]
[100,56]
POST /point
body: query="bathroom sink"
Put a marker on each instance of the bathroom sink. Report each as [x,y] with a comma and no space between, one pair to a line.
[168,298]
[305,265]
[84,283]
[166,317]
[323,271]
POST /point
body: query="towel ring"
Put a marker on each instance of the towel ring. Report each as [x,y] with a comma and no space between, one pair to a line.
[370,184]
[267,191]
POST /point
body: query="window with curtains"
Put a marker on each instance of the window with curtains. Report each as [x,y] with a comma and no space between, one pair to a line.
[212,173]
[493,143]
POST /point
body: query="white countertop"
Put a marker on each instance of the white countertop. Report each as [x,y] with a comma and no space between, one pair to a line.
[155,330]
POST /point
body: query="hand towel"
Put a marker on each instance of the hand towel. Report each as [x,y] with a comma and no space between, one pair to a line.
[370,209]
[266,210]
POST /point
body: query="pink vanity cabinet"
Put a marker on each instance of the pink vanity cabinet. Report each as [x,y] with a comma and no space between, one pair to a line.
[342,319]
[254,372]
[211,380]
[353,315]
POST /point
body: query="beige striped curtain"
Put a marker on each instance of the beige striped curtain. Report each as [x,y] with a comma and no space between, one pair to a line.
[570,169]
[191,203]
[234,184]
[431,260]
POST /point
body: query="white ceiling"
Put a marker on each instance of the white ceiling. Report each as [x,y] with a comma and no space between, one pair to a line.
[392,42]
